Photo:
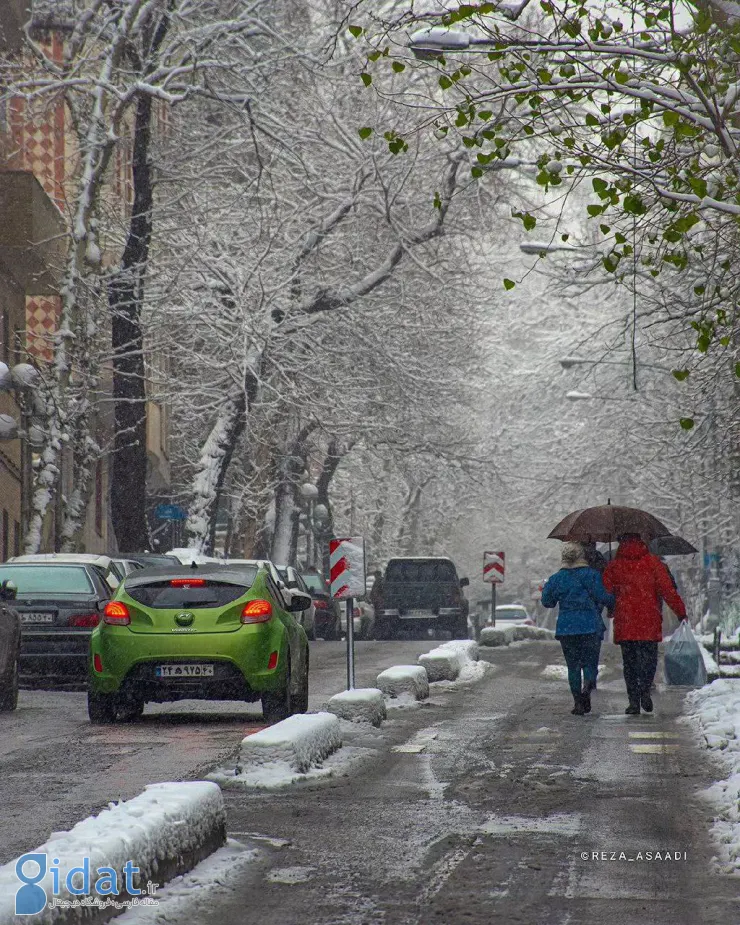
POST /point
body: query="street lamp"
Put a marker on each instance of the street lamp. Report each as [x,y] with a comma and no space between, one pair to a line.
[571,361]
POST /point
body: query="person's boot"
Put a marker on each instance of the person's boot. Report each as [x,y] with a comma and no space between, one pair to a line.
[646,702]
[578,708]
[586,697]
[633,709]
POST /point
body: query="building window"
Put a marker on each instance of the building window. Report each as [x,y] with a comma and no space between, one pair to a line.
[99,498]
[16,538]
[6,538]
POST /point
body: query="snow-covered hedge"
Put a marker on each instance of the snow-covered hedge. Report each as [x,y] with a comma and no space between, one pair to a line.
[164,831]
[714,710]
[301,742]
[532,632]
[404,679]
[362,705]
[447,661]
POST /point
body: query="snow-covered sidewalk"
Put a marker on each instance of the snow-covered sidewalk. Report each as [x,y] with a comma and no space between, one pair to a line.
[714,712]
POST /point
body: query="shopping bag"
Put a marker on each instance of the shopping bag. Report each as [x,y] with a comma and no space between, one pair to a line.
[684,663]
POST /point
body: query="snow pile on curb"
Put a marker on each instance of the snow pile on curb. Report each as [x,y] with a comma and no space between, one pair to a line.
[714,711]
[446,662]
[404,679]
[164,831]
[362,705]
[299,742]
[504,635]
[496,635]
[710,664]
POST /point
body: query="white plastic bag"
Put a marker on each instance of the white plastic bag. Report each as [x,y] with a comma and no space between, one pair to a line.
[684,664]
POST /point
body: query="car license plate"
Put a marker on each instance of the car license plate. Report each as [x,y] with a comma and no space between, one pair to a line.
[419,615]
[184,671]
[36,617]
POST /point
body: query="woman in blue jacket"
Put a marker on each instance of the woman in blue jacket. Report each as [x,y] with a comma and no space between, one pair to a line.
[580,592]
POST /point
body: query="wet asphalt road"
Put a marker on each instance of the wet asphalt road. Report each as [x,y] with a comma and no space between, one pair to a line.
[55,768]
[495,819]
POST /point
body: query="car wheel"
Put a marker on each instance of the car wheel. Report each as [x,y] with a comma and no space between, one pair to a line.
[131,711]
[9,693]
[101,708]
[300,701]
[278,705]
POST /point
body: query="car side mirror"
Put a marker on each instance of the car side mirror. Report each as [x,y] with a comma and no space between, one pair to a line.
[299,602]
[8,590]
[464,582]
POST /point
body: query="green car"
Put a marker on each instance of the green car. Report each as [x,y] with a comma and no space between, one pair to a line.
[212,633]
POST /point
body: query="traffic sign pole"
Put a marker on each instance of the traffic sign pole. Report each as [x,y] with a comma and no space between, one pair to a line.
[493,602]
[350,645]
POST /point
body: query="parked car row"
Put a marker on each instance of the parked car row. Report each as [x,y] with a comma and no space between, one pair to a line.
[63,616]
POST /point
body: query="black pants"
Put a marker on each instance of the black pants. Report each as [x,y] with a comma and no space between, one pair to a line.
[640,660]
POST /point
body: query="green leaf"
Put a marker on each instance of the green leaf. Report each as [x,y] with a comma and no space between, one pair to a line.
[592,120]
[445,82]
[670,118]
[356,31]
[509,284]
[737,370]
[529,221]
[564,237]
[365,132]
[687,423]
[681,374]
[599,185]
[437,201]
[593,210]
[477,172]
[366,78]
[398,67]
[605,229]
[634,205]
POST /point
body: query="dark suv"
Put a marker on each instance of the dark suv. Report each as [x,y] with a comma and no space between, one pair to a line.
[421,593]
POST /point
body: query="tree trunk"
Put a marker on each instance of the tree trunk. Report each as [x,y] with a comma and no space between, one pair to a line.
[125,294]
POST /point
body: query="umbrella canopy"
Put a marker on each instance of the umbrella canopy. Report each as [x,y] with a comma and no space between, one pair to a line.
[605,523]
[672,546]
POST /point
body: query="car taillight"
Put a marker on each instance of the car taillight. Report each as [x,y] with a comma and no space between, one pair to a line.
[187,583]
[97,663]
[84,619]
[272,661]
[257,612]
[321,605]
[116,614]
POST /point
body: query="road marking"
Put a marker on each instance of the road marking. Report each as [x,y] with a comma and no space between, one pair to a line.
[661,748]
[654,735]
[417,743]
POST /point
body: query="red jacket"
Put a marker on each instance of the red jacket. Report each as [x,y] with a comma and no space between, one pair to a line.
[640,582]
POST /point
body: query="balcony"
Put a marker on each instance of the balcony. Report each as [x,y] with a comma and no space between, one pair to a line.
[32,235]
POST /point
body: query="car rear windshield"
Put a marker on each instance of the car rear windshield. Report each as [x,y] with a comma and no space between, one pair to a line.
[430,570]
[511,613]
[47,579]
[163,595]
[314,582]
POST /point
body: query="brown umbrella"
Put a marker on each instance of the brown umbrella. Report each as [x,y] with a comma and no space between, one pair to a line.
[672,546]
[605,523]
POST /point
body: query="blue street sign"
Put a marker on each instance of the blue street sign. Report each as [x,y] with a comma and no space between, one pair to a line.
[170,512]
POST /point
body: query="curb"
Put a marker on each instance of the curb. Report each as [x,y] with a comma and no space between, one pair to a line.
[361,705]
[493,636]
[447,661]
[404,679]
[165,832]
[301,742]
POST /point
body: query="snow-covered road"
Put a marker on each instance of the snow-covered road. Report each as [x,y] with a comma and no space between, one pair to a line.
[493,804]
[55,768]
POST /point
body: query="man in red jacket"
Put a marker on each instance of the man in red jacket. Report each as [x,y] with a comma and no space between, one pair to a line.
[640,583]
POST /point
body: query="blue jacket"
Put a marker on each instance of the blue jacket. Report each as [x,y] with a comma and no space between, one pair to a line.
[581,595]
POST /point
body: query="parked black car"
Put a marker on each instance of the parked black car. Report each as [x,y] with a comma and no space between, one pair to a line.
[10,647]
[150,559]
[58,605]
[328,617]
[422,593]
